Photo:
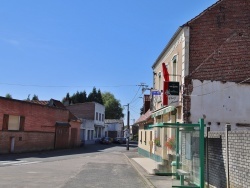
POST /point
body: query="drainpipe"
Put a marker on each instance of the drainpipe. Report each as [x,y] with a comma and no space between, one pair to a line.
[227,128]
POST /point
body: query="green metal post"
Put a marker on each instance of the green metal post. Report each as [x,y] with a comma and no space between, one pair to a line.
[201,121]
[177,151]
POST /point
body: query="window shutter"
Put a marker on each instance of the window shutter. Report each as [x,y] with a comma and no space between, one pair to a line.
[22,120]
[5,122]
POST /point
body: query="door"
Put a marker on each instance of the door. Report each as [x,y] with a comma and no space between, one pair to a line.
[150,143]
[12,144]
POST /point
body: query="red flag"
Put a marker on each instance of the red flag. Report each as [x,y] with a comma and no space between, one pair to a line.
[165,72]
[165,84]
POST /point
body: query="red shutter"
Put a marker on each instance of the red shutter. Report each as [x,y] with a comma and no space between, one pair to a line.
[5,122]
[22,120]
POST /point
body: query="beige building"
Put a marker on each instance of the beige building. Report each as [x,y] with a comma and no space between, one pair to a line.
[166,102]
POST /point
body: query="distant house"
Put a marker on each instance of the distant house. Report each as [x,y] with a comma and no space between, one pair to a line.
[91,115]
[27,126]
[114,127]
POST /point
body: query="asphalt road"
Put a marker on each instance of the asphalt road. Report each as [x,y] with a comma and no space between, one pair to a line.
[97,166]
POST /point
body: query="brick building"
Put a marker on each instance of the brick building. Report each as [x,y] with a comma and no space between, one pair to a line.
[91,115]
[27,126]
[209,58]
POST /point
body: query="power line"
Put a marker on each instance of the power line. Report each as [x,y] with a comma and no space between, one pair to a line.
[135,95]
[68,86]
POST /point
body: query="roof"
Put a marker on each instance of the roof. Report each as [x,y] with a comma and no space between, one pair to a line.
[39,102]
[55,103]
[51,102]
[144,117]
[64,124]
[110,121]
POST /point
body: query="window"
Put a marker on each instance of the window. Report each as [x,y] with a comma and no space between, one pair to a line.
[158,136]
[96,116]
[178,113]
[89,137]
[13,123]
[100,117]
[145,138]
[174,61]
[92,134]
[160,84]
[96,132]
[141,137]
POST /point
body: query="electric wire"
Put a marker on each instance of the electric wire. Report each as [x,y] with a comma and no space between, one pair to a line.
[54,86]
[135,95]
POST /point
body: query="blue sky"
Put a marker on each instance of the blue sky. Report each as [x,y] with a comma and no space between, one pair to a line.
[51,47]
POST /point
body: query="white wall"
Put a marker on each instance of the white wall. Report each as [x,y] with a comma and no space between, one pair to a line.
[100,109]
[87,124]
[220,102]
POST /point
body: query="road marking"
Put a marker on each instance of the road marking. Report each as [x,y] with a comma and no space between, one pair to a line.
[17,163]
[25,163]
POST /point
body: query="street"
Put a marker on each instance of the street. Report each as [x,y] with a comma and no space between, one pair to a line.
[90,166]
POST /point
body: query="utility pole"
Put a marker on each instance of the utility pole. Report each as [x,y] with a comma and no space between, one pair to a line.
[144,87]
[128,127]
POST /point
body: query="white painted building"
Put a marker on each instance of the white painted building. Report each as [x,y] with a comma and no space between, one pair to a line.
[92,115]
[114,127]
[220,103]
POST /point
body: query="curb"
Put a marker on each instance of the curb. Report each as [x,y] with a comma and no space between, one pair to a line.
[139,172]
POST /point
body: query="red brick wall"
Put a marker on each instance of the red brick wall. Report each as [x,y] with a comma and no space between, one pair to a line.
[39,126]
[26,141]
[37,117]
[219,46]
[83,110]
[220,42]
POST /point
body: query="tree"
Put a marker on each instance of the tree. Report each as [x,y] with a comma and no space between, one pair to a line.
[92,97]
[35,98]
[8,96]
[28,98]
[78,97]
[95,96]
[99,97]
[113,109]
[66,100]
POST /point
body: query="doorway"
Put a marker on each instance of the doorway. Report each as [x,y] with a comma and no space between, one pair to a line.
[12,144]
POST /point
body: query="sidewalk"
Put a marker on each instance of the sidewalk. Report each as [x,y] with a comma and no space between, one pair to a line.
[145,167]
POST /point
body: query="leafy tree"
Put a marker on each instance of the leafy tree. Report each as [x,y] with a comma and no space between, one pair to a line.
[35,98]
[113,109]
[8,96]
